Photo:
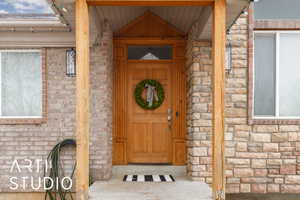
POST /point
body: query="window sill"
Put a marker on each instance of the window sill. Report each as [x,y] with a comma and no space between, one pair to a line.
[272,121]
[22,121]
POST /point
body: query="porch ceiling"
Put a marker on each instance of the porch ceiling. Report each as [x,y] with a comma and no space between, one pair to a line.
[182,17]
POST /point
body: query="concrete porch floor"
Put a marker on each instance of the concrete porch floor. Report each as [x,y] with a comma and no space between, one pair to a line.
[182,189]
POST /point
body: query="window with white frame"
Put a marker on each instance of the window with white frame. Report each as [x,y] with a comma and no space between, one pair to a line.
[21,84]
[276,75]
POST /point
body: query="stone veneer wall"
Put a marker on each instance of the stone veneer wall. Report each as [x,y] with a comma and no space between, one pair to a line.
[259,158]
[35,141]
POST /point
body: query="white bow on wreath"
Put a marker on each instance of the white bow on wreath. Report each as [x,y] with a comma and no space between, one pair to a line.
[151,93]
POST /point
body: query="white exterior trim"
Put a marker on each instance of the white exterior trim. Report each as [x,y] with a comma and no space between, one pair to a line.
[35,40]
[277,47]
[275,118]
[274,32]
[21,117]
[20,50]
[277,75]
[35,23]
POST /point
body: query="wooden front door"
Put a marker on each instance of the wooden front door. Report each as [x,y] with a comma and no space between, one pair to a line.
[149,135]
[141,135]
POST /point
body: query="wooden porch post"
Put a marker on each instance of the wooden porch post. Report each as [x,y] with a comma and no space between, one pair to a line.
[82,99]
[218,73]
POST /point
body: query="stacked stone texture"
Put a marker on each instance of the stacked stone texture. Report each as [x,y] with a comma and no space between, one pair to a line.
[19,142]
[259,158]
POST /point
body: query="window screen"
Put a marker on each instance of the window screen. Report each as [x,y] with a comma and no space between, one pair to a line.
[264,88]
[277,9]
[289,75]
[21,84]
[150,52]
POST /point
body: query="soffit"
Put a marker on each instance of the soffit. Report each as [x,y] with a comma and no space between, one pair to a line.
[180,17]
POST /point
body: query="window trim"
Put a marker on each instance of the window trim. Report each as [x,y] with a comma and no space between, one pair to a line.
[277,74]
[261,120]
[273,24]
[29,119]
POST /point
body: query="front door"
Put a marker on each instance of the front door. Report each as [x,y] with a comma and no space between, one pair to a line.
[149,48]
[149,134]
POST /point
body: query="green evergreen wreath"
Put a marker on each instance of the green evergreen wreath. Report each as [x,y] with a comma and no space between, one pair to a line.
[141,101]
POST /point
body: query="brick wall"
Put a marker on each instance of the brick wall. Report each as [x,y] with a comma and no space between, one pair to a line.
[259,158]
[35,141]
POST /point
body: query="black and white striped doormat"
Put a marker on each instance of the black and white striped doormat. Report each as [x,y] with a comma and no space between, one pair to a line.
[148,178]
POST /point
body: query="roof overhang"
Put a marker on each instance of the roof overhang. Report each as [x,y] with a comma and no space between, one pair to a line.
[29,22]
[53,27]
[28,18]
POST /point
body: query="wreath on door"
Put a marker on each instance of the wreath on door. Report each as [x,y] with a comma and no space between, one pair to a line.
[155,94]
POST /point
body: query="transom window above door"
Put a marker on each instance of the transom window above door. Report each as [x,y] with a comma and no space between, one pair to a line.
[276,75]
[149,52]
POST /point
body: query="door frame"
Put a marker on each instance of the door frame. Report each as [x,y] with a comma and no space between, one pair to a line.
[120,150]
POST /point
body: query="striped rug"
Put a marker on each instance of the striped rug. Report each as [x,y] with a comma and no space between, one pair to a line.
[148,178]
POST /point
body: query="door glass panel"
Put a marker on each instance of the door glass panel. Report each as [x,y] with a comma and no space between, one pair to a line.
[150,52]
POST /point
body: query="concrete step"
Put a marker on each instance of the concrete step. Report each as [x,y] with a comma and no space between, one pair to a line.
[116,189]
[181,189]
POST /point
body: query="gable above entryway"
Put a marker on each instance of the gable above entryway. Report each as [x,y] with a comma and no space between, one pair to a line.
[149,25]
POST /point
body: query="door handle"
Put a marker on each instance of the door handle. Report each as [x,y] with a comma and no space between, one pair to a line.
[170,118]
